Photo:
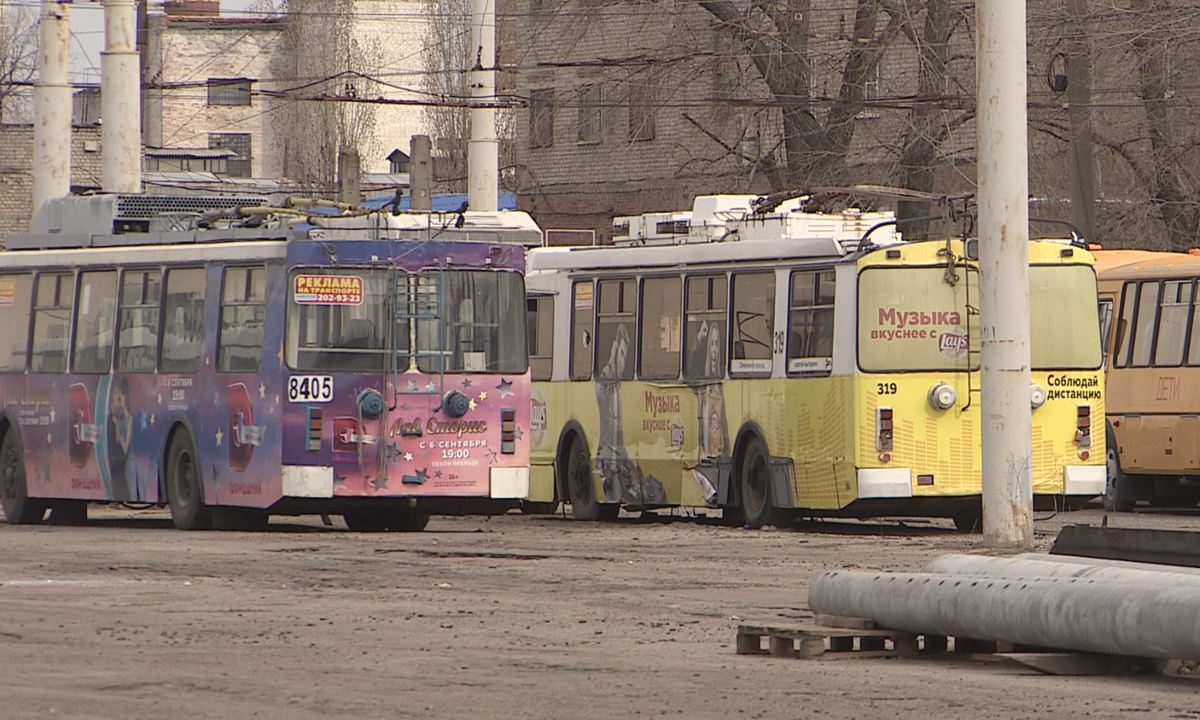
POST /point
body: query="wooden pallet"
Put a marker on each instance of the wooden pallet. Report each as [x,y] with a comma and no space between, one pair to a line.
[857,637]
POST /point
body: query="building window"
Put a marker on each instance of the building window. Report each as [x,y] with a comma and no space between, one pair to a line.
[641,112]
[590,98]
[541,118]
[228,91]
[239,143]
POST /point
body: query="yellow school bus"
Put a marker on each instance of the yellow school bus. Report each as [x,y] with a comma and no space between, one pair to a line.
[772,365]
[1148,312]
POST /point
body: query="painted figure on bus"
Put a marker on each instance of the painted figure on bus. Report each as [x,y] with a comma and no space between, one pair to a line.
[623,480]
[120,434]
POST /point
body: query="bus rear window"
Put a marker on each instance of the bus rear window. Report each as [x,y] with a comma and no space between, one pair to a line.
[338,320]
[482,326]
[911,318]
[1064,333]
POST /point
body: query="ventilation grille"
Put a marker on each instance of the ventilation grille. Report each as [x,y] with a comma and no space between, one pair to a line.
[145,207]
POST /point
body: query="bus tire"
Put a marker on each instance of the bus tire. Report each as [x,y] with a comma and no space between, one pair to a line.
[1116,487]
[19,508]
[581,486]
[754,485]
[185,490]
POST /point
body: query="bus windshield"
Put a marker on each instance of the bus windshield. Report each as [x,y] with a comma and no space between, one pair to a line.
[337,320]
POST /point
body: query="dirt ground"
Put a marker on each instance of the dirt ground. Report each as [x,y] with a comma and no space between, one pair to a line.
[505,617]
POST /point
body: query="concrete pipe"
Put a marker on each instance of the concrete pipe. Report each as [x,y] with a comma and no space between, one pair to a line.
[1036,566]
[1119,618]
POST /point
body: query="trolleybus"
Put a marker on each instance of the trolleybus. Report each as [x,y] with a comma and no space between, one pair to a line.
[771,363]
[1148,311]
[232,360]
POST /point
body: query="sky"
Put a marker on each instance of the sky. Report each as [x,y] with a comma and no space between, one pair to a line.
[87,34]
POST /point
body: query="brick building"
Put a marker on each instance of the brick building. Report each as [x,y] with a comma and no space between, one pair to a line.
[16,173]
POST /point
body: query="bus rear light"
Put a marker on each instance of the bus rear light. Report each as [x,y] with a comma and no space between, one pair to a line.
[885,457]
[942,396]
[314,429]
[1084,454]
[1037,396]
[508,431]
[883,430]
[924,479]
[1083,426]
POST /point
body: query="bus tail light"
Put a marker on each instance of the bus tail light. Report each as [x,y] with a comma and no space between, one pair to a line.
[883,432]
[1083,426]
[508,431]
[942,396]
[314,429]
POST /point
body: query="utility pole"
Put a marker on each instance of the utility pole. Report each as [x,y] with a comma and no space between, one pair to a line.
[1079,111]
[52,107]
[483,154]
[1003,173]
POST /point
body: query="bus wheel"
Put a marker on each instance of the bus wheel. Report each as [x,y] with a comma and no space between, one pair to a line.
[185,492]
[409,521]
[582,487]
[19,508]
[755,485]
[365,520]
[1116,489]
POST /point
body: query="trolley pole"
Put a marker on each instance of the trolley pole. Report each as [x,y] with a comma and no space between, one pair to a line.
[1003,173]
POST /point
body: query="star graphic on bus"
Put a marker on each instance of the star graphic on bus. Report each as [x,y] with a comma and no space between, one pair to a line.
[518,432]
[422,474]
[483,396]
[141,421]
[466,382]
[493,456]
[471,404]
[51,414]
[379,482]
[408,457]
[437,474]
[262,391]
[505,388]
[431,386]
[219,436]
[411,386]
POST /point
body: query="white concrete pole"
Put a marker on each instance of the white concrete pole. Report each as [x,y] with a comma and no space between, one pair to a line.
[483,155]
[1003,165]
[52,107]
[120,100]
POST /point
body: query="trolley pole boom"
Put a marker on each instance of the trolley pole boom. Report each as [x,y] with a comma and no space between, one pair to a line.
[1007,450]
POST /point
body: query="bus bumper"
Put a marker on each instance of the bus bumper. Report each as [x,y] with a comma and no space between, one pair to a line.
[509,482]
[885,483]
[1084,480]
[308,481]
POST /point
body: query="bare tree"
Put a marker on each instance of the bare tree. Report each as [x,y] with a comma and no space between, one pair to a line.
[323,61]
[18,61]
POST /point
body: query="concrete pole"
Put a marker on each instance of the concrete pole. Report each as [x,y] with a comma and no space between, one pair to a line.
[52,108]
[120,100]
[1117,617]
[1003,167]
[349,178]
[483,156]
[420,174]
[1028,565]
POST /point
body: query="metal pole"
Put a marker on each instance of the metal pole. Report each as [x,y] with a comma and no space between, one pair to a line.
[1003,167]
[483,157]
[120,100]
[52,107]
[1079,100]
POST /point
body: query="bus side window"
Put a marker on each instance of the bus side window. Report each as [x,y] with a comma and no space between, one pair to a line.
[1123,340]
[1106,327]
[15,300]
[243,312]
[810,325]
[615,329]
[51,322]
[661,314]
[95,319]
[137,321]
[583,314]
[754,323]
[183,321]
[540,328]
[704,329]
[1145,324]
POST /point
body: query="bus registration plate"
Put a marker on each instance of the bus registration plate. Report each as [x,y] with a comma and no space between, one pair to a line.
[310,388]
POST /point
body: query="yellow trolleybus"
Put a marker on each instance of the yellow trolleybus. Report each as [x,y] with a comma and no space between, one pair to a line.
[1153,366]
[774,364]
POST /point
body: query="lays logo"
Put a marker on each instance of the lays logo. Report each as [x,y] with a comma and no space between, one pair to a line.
[537,419]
